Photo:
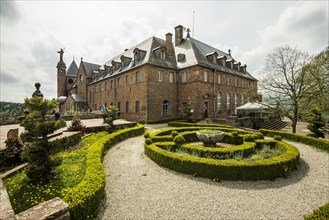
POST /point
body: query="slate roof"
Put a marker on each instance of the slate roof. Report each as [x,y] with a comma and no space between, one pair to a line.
[195,52]
[72,70]
[90,68]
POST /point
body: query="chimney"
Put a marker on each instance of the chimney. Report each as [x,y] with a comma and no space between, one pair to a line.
[178,35]
[169,43]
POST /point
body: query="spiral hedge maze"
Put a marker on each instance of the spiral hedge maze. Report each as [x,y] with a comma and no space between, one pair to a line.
[247,157]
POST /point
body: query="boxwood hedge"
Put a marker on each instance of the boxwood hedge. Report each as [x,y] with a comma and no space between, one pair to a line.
[267,169]
[315,142]
[84,199]
[321,213]
[163,149]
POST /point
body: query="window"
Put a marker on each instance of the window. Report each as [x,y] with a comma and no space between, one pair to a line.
[111,84]
[228,80]
[162,55]
[171,77]
[127,106]
[127,79]
[235,101]
[219,79]
[119,107]
[138,77]
[242,99]
[205,76]
[184,77]
[228,102]
[236,81]
[219,102]
[165,107]
[137,107]
[136,56]
[81,77]
[160,76]
[118,82]
[184,105]
[70,81]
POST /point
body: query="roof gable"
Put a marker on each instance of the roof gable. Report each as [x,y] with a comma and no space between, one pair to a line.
[72,70]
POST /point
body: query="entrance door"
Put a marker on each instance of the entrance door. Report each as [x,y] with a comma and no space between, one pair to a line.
[205,110]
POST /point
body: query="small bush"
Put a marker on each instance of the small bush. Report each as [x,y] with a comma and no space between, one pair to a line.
[277,138]
[179,140]
[11,155]
[146,135]
[148,141]
[174,134]
[76,125]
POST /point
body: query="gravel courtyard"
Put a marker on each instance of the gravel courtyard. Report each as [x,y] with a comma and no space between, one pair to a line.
[137,188]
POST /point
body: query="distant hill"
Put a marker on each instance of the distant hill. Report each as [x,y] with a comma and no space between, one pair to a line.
[11,108]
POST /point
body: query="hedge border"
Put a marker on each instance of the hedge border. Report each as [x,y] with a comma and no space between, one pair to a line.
[321,213]
[190,124]
[83,200]
[222,169]
[314,142]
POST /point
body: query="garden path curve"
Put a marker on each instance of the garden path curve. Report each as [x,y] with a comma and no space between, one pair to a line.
[137,188]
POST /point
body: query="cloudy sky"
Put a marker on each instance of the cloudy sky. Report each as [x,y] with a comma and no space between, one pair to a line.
[33,31]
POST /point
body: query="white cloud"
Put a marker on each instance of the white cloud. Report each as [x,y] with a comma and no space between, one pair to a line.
[97,31]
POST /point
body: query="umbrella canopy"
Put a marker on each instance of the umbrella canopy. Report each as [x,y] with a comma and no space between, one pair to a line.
[252,106]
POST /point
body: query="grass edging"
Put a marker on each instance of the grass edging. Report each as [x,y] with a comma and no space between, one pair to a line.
[84,199]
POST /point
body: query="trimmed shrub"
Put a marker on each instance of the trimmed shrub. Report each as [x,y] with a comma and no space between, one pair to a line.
[179,140]
[315,142]
[84,199]
[148,141]
[277,138]
[146,134]
[174,133]
[228,169]
[189,124]
[322,213]
[11,154]
[76,125]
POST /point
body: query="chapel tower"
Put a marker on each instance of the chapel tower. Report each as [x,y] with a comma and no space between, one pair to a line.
[61,75]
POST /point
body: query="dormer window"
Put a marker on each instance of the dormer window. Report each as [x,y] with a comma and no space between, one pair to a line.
[115,65]
[212,57]
[243,69]
[124,61]
[222,60]
[237,66]
[229,63]
[163,55]
[181,57]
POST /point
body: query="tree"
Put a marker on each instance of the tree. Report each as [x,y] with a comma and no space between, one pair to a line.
[285,80]
[36,130]
[316,121]
[110,115]
[317,72]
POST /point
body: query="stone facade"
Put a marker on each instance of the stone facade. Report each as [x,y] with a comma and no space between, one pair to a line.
[155,80]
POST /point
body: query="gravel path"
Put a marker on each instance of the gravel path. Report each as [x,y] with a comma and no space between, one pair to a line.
[137,188]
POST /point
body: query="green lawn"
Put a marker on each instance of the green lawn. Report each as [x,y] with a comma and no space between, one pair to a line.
[69,173]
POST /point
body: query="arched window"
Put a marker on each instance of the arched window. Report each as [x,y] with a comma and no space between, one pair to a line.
[165,107]
[235,102]
[219,102]
[228,102]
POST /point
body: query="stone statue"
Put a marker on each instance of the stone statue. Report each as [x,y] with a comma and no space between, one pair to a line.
[37,92]
[61,52]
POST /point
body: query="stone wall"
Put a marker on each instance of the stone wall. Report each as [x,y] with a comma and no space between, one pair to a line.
[51,209]
[6,210]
